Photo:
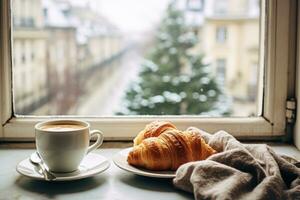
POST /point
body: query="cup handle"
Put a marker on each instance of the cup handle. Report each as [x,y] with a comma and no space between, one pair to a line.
[98,142]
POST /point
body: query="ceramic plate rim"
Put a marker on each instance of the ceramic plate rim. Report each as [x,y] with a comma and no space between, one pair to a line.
[105,165]
[138,171]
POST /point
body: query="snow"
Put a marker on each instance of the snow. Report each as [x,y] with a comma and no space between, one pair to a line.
[206,70]
[189,37]
[150,65]
[163,36]
[195,95]
[202,98]
[252,9]
[166,78]
[175,81]
[183,94]
[137,88]
[173,50]
[211,93]
[144,102]
[165,44]
[194,19]
[179,21]
[222,106]
[172,97]
[80,16]
[54,16]
[164,59]
[169,22]
[157,99]
[184,78]
[204,80]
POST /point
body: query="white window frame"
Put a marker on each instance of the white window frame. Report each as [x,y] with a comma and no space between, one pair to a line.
[278,82]
[296,137]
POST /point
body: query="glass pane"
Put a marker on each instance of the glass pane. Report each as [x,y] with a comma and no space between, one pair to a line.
[136,57]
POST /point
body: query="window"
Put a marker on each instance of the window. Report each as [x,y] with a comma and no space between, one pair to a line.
[221,34]
[221,70]
[109,50]
[23,53]
[63,90]
[221,7]
[195,5]
[252,81]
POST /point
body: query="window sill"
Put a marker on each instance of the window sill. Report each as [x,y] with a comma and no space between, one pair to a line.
[112,184]
[281,148]
[31,145]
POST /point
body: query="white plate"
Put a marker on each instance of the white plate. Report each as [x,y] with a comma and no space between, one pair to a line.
[91,165]
[120,159]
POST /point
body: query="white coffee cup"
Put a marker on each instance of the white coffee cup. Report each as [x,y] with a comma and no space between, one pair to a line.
[63,144]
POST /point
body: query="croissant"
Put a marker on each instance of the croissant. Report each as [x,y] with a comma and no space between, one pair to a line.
[153,129]
[169,150]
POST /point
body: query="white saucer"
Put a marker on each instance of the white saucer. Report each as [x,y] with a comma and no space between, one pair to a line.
[120,159]
[91,165]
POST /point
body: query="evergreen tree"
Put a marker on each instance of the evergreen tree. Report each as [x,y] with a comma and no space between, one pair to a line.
[173,81]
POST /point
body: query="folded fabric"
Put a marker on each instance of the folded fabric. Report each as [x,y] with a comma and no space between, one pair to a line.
[239,171]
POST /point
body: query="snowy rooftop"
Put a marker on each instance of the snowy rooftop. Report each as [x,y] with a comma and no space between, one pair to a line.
[65,13]
[196,11]
[53,16]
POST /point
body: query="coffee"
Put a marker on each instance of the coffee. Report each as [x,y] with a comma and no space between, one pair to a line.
[60,150]
[61,127]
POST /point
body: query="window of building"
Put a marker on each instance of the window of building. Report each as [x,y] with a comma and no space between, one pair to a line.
[252,81]
[21,51]
[221,34]
[129,66]
[23,59]
[32,56]
[45,12]
[221,7]
[195,5]
[221,70]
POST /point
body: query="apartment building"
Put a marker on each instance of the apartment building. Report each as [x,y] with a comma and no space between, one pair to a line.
[61,58]
[57,46]
[230,39]
[98,39]
[29,53]
[228,34]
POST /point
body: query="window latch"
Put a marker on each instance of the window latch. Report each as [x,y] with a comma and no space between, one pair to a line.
[291,107]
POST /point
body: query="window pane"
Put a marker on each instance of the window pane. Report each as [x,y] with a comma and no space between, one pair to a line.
[221,70]
[134,57]
[221,34]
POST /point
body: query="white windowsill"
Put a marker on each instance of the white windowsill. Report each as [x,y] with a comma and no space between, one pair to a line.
[112,184]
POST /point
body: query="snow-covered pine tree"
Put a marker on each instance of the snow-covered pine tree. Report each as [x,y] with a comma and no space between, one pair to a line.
[173,81]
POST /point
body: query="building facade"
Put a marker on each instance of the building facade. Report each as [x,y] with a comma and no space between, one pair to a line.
[29,56]
[230,40]
[61,59]
[58,48]
[228,33]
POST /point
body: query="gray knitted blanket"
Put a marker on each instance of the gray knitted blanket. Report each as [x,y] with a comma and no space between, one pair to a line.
[239,171]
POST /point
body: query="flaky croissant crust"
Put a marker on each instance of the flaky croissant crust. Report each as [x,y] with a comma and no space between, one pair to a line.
[154,129]
[169,150]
